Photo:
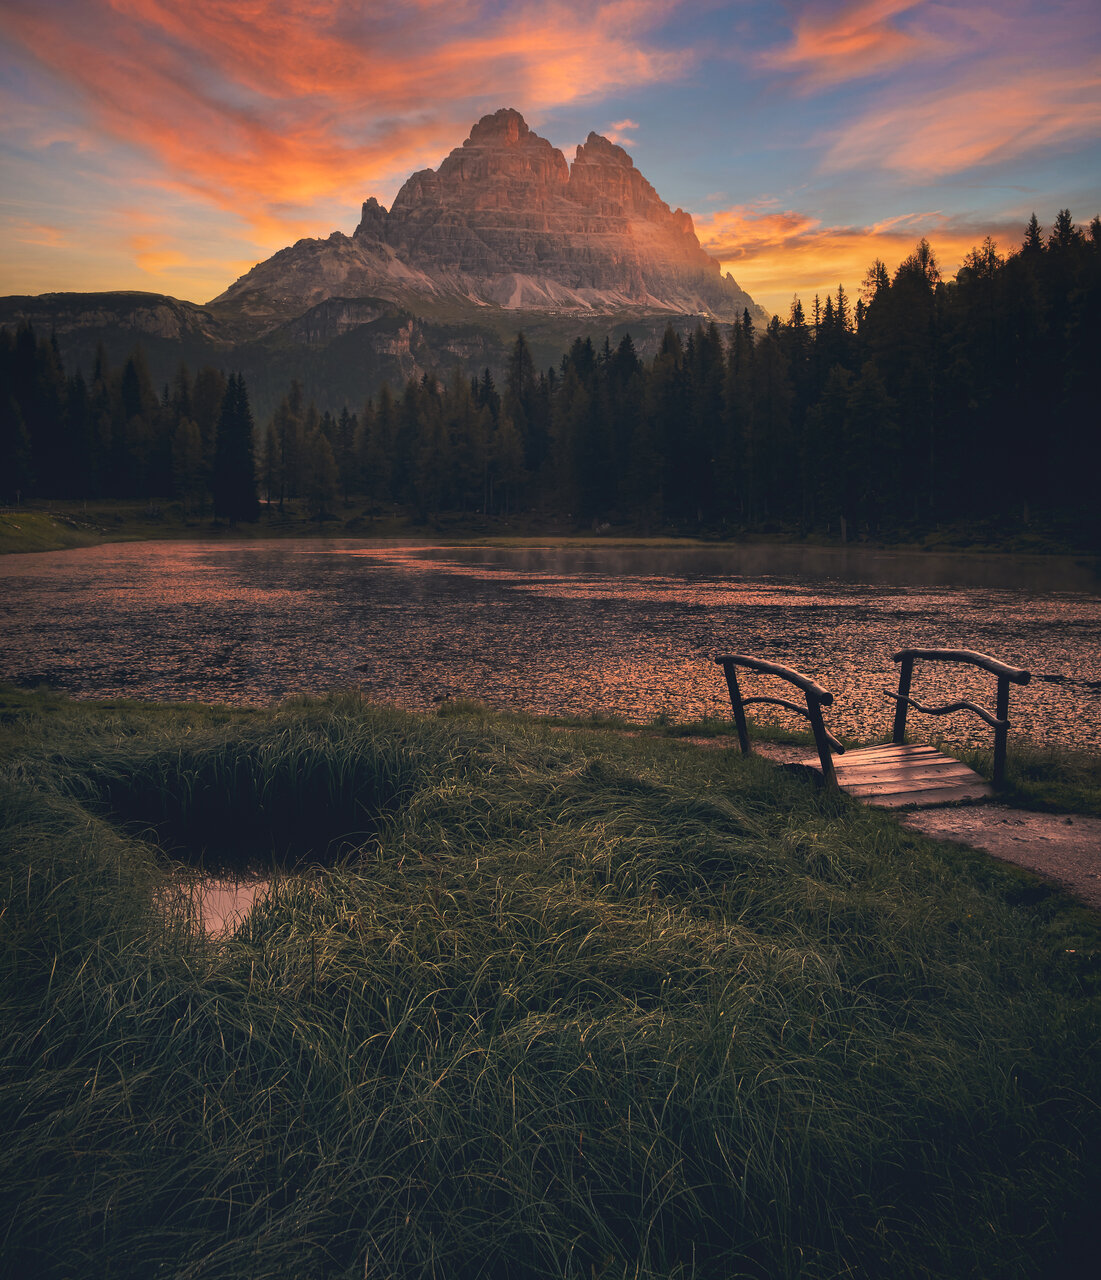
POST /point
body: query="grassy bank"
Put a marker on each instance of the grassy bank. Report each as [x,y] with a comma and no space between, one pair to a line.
[1045,779]
[28,530]
[55,525]
[520,1003]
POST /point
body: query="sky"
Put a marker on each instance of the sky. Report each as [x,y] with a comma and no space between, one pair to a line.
[169,145]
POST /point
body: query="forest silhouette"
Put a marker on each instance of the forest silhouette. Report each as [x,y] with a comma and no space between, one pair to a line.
[921,402]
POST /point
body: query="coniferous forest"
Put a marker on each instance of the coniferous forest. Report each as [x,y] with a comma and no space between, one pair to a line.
[919,402]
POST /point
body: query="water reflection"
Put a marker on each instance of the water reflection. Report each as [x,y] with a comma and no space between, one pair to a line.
[623,631]
[219,906]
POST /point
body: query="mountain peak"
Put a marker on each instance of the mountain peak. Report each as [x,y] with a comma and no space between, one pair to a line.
[598,149]
[506,126]
[505,222]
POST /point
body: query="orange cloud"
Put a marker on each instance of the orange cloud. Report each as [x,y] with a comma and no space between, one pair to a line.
[776,254]
[863,39]
[38,233]
[948,131]
[266,107]
[154,254]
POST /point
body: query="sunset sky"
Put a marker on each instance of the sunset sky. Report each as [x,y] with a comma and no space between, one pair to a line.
[168,145]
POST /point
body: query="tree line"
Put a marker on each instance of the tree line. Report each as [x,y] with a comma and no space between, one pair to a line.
[62,436]
[923,401]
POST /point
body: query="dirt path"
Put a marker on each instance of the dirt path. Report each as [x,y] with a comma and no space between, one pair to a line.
[1058,846]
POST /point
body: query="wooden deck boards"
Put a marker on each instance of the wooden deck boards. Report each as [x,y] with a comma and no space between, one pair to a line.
[892,777]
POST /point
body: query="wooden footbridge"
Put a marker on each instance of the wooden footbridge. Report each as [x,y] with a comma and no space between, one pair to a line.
[897,774]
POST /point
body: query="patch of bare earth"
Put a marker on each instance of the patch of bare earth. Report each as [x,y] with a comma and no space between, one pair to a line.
[1061,847]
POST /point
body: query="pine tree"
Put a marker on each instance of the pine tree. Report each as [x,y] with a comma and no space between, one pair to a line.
[345,452]
[16,476]
[507,466]
[517,402]
[379,461]
[188,465]
[233,482]
[1064,234]
[270,467]
[208,392]
[321,475]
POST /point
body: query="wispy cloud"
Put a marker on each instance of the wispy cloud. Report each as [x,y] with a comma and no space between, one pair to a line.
[951,130]
[40,234]
[830,46]
[958,84]
[155,254]
[269,106]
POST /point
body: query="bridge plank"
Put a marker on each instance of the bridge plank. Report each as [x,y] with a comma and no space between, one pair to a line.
[892,776]
[929,799]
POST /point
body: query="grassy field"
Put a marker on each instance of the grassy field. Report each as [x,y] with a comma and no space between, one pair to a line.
[520,1002]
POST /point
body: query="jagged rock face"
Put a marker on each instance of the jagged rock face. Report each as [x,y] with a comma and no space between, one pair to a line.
[506,222]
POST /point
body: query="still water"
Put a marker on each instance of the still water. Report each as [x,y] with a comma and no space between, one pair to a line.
[624,631]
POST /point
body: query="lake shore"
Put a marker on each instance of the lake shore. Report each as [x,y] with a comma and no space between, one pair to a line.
[55,526]
[740,1026]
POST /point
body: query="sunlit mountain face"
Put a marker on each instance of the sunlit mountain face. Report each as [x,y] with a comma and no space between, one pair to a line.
[506,222]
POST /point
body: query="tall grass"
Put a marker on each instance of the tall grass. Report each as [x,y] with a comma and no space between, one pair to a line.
[1050,779]
[541,1004]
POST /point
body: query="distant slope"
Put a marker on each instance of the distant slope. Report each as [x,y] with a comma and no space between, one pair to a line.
[341,350]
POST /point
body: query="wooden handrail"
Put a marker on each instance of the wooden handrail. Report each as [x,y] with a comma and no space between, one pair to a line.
[964,704]
[785,673]
[816,697]
[1000,720]
[1016,675]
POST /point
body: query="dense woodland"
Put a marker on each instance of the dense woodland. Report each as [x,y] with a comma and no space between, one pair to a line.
[919,402]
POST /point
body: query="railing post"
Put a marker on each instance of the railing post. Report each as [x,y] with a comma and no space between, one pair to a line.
[1002,732]
[736,706]
[814,715]
[905,675]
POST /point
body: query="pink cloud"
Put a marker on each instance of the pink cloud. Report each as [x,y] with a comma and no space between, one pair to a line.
[267,107]
[862,39]
[620,132]
[40,234]
[1011,113]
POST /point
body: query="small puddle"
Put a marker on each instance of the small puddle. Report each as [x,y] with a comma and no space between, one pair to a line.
[219,905]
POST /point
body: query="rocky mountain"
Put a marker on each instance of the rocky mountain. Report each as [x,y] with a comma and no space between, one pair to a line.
[505,235]
[506,222]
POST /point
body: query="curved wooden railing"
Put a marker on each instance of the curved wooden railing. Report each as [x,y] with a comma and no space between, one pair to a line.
[815,695]
[999,722]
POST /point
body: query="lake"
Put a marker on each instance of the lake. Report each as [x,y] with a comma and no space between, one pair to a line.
[618,630]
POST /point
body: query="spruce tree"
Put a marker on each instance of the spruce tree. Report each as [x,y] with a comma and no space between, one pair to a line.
[234,480]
